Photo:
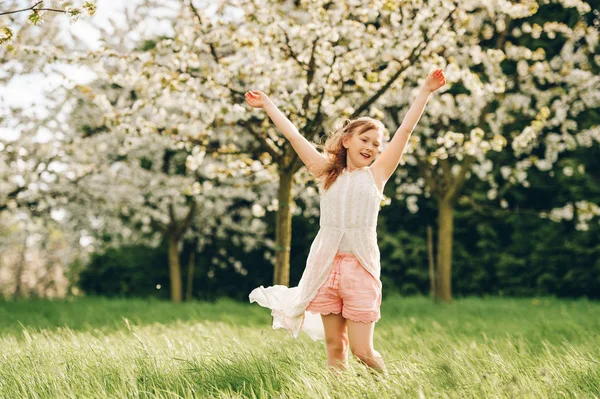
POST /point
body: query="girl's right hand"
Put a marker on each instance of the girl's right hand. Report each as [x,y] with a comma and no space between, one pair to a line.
[256,98]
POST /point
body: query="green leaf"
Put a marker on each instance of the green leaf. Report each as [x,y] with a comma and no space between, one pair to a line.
[8,35]
[35,18]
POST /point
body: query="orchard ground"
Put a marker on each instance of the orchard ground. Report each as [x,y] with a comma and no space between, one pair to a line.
[474,347]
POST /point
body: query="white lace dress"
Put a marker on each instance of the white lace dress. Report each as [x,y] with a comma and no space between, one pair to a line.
[349,209]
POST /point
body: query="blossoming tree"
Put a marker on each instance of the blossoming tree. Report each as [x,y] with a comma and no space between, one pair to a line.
[513,101]
[507,98]
[127,175]
[325,61]
[319,61]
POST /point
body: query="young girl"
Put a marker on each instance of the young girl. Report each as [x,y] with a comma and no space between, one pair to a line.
[339,294]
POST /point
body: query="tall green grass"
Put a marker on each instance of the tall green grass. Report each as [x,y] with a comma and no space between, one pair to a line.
[473,348]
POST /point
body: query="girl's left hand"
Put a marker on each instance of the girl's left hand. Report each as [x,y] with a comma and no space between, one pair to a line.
[256,98]
[435,80]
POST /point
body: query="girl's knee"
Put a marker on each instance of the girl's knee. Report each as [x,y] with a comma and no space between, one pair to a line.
[337,346]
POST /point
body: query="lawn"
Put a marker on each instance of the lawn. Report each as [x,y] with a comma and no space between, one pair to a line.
[473,348]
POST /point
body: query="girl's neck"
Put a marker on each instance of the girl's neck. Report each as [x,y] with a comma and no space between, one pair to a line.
[355,168]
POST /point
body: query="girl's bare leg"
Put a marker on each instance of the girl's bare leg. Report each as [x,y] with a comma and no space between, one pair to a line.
[361,345]
[336,340]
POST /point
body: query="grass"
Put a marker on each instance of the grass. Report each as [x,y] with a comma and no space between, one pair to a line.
[473,348]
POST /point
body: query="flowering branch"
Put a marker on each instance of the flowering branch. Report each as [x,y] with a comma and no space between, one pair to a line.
[36,16]
[32,8]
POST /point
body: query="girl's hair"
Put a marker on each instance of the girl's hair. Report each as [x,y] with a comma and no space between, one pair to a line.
[335,152]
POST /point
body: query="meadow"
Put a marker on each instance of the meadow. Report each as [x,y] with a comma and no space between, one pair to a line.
[136,348]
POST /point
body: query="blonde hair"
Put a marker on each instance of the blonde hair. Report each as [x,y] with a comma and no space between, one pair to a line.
[335,152]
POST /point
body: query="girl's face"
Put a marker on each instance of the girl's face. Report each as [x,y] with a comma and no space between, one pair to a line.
[363,148]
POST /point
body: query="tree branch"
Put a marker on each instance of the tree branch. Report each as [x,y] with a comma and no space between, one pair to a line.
[182,226]
[195,11]
[159,226]
[273,151]
[461,178]
[310,74]
[172,216]
[296,164]
[32,8]
[447,172]
[427,174]
[312,125]
[291,51]
[414,54]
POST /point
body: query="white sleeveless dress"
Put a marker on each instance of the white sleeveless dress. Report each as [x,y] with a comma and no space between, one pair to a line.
[349,210]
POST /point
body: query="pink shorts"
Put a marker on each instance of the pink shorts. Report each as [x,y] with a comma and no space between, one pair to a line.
[350,290]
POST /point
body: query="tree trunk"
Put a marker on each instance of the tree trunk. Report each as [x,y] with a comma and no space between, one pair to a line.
[431,262]
[190,273]
[283,230]
[174,269]
[20,272]
[47,282]
[444,253]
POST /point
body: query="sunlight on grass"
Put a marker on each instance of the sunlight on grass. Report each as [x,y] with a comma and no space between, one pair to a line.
[151,349]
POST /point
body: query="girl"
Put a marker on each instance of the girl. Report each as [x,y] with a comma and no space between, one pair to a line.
[339,294]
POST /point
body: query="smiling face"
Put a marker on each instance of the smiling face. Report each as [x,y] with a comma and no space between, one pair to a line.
[362,148]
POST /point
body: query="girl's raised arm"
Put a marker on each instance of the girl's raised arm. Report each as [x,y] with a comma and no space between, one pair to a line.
[308,154]
[385,165]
